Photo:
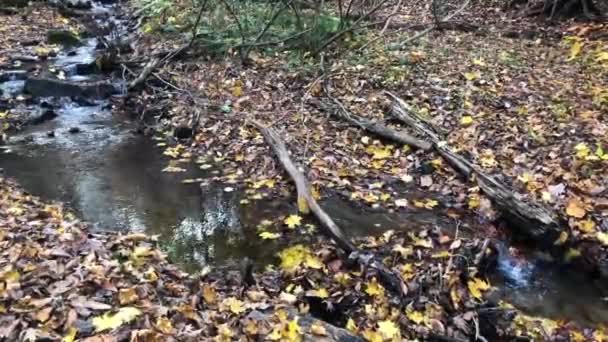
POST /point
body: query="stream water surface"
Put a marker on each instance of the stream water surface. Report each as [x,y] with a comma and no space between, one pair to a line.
[111,176]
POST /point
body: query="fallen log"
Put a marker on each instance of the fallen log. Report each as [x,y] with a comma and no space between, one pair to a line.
[365,259]
[536,221]
[376,128]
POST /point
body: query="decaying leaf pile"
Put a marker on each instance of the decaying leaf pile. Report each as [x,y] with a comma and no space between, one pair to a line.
[59,281]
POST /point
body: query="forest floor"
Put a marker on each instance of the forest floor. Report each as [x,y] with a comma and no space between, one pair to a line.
[520,100]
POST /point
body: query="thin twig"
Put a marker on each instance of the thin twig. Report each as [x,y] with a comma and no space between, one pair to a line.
[432,27]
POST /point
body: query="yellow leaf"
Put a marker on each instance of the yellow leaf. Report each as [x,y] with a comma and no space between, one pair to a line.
[571,254]
[269,235]
[372,336]
[471,76]
[318,329]
[563,236]
[293,221]
[237,91]
[303,205]
[575,208]
[321,293]
[582,150]
[373,288]
[415,316]
[379,152]
[70,336]
[575,50]
[602,237]
[164,325]
[388,329]
[466,120]
[233,305]
[351,326]
[293,257]
[586,226]
[442,254]
[127,296]
[110,321]
[209,294]
[477,287]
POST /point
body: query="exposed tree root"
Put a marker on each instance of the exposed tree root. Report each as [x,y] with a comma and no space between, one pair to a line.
[365,259]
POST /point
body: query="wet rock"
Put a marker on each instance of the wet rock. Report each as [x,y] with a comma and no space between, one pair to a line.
[50,134]
[74,130]
[49,87]
[82,101]
[12,75]
[182,132]
[46,115]
[86,68]
[13,3]
[62,37]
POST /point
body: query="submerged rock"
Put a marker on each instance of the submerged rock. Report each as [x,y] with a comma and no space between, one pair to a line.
[49,87]
[46,115]
[62,37]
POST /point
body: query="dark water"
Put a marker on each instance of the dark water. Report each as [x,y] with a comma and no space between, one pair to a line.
[112,178]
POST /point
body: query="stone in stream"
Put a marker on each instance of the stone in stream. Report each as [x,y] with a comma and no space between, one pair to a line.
[46,115]
[62,37]
[74,130]
[49,87]
[12,75]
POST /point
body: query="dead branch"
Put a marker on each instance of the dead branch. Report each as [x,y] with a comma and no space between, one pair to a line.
[536,221]
[388,277]
[431,28]
[374,127]
[351,27]
[150,66]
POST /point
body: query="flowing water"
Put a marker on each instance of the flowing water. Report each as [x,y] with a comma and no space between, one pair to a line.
[111,176]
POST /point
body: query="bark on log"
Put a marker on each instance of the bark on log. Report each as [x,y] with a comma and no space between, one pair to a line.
[535,220]
[376,128]
[392,280]
[153,64]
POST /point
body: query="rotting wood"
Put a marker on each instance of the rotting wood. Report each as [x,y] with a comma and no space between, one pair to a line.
[536,221]
[365,259]
[375,127]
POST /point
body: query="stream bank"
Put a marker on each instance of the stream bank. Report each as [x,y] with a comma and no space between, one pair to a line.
[99,164]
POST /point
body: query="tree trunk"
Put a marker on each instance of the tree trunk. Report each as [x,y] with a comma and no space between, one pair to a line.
[556,9]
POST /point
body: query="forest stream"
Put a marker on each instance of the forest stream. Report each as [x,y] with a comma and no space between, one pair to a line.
[103,168]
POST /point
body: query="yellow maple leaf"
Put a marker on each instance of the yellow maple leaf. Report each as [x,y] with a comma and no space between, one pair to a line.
[109,321]
[575,208]
[466,120]
[293,257]
[477,287]
[164,325]
[379,152]
[292,221]
[209,294]
[373,288]
[233,305]
[586,226]
[388,329]
[415,316]
[127,296]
